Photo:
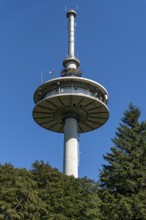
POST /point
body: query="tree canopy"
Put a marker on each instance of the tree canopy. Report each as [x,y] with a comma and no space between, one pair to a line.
[123,180]
[45,193]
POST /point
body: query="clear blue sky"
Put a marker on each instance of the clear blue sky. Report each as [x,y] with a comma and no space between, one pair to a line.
[111,45]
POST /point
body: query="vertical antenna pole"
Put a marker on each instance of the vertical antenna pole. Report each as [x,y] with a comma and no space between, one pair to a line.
[52,73]
[41,77]
[71,62]
[71,33]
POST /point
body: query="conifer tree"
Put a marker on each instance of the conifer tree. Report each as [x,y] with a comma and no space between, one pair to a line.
[123,180]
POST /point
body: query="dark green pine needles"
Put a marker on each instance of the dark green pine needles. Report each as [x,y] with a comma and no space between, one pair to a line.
[123,180]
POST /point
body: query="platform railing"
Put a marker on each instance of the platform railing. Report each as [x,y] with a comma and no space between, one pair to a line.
[75,90]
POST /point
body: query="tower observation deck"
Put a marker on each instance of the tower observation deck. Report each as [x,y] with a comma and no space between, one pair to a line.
[71,104]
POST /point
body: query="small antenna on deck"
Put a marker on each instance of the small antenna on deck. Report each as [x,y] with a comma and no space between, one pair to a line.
[52,72]
[42,77]
[65,7]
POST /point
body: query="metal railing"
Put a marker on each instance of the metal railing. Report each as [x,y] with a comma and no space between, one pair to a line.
[76,90]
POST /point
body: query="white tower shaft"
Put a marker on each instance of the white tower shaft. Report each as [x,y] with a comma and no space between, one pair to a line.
[71,147]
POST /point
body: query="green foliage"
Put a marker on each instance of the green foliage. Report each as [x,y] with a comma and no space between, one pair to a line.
[65,196]
[123,180]
[46,194]
[18,195]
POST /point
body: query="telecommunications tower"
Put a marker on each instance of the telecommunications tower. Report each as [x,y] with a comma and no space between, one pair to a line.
[71,104]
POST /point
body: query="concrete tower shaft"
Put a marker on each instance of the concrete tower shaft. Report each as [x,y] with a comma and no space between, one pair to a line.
[71,147]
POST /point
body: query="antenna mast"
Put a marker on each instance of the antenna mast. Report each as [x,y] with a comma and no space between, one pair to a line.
[71,63]
[71,33]
[42,77]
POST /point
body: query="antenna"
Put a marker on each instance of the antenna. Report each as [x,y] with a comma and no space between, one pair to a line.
[52,72]
[42,77]
[65,8]
[71,62]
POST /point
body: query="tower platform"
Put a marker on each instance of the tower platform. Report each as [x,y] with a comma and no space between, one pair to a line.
[71,97]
